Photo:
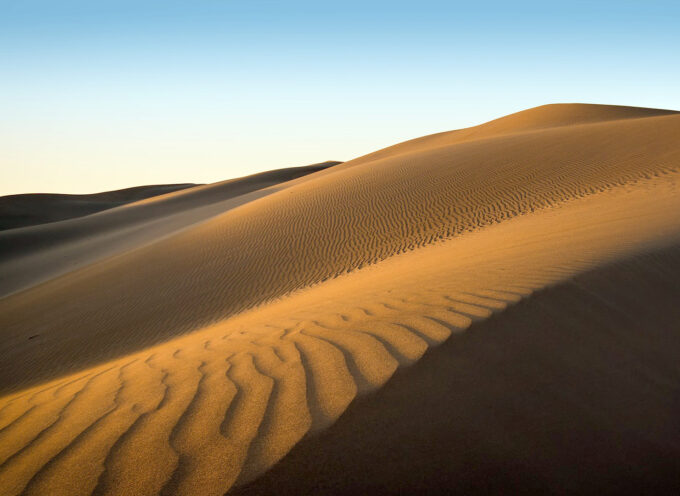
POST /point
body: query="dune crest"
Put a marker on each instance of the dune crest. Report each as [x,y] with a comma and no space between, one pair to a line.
[534,119]
[209,353]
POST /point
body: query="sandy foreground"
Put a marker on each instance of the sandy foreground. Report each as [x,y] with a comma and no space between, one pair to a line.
[489,310]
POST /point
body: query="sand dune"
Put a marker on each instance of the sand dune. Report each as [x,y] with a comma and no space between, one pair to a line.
[32,255]
[535,119]
[206,350]
[41,208]
[573,391]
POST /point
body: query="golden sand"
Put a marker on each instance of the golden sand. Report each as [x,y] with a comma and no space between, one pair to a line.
[190,351]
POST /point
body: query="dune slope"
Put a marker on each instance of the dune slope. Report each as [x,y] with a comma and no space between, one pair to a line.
[572,391]
[534,119]
[206,355]
[35,254]
[340,221]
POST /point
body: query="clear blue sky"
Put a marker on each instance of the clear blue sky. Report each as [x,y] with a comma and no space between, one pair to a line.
[97,95]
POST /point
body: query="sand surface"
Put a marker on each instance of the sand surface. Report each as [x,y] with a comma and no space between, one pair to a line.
[485,310]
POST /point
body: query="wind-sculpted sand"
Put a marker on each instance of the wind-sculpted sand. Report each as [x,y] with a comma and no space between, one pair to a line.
[192,364]
[38,253]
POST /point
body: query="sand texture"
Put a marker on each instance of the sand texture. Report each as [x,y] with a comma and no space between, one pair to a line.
[34,254]
[488,310]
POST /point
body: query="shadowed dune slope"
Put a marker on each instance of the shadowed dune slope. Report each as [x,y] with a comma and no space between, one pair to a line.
[40,208]
[206,355]
[575,390]
[32,255]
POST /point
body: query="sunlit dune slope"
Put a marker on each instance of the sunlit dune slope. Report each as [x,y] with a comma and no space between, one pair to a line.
[344,219]
[193,363]
[34,254]
[41,208]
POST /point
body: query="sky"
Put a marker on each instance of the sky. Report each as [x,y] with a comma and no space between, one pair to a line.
[102,95]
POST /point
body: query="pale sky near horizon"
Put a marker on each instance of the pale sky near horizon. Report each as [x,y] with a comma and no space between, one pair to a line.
[103,95]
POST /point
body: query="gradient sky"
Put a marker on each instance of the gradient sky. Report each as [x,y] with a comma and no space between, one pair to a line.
[100,95]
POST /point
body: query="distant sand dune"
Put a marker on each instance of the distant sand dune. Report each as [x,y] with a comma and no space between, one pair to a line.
[41,208]
[34,254]
[192,363]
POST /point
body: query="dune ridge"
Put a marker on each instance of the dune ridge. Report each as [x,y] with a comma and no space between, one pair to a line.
[34,254]
[215,350]
[41,208]
[534,119]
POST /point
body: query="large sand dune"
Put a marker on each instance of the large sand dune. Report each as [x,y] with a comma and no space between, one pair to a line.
[194,339]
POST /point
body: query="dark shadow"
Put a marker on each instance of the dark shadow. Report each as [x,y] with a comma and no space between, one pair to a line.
[575,390]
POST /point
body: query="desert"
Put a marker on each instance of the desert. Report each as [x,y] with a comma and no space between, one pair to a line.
[494,309]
